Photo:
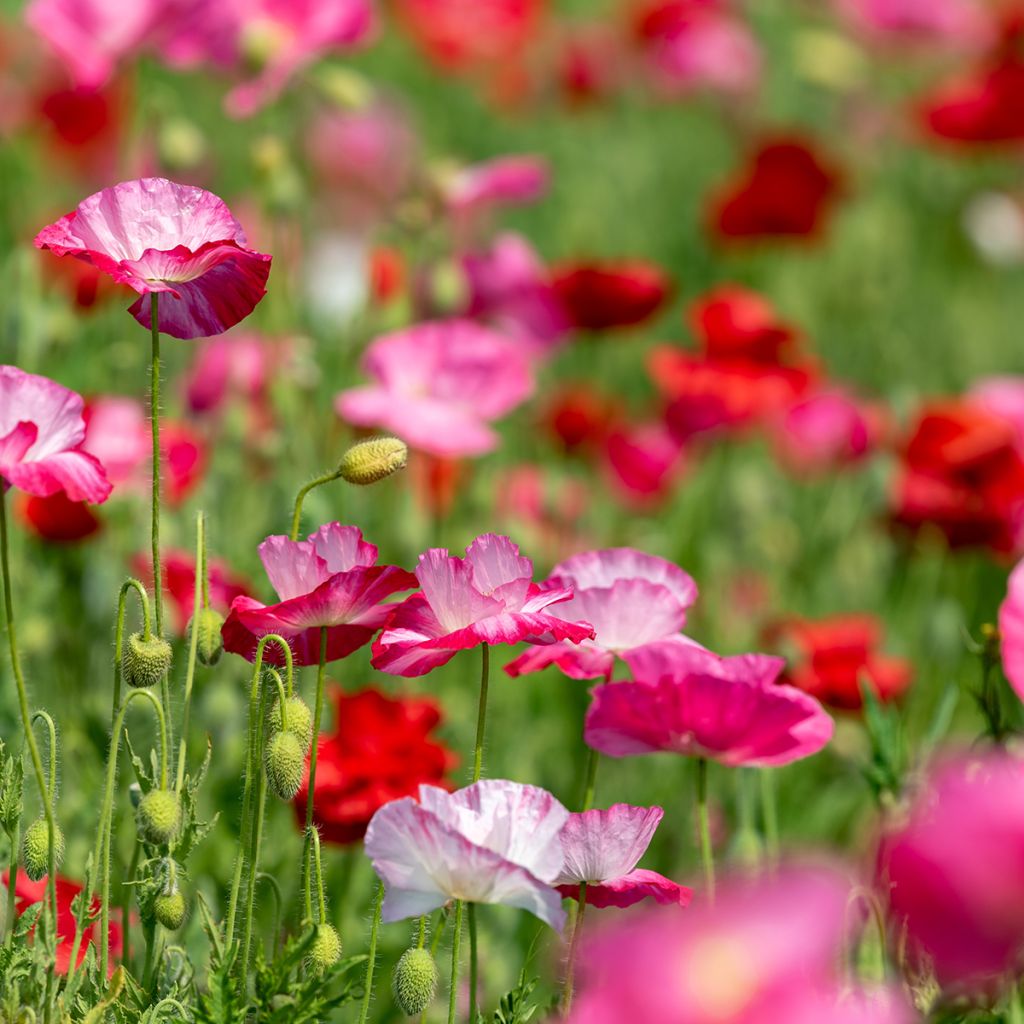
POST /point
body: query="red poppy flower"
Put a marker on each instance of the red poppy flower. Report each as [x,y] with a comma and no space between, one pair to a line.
[785,190]
[603,296]
[59,519]
[579,417]
[838,654]
[984,106]
[380,750]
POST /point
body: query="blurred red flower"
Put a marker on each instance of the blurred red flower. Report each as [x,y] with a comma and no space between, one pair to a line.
[578,417]
[603,296]
[59,519]
[380,750]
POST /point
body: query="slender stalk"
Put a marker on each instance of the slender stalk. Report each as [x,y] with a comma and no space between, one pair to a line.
[12,883]
[122,597]
[769,809]
[333,474]
[371,962]
[154,422]
[126,900]
[193,645]
[453,991]
[1016,1015]
[322,908]
[574,942]
[421,937]
[271,881]
[590,785]
[473,966]
[481,715]
[703,823]
[318,709]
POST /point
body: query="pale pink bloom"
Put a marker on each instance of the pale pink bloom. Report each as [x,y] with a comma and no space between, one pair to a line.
[963,23]
[41,436]
[488,597]
[504,181]
[176,240]
[828,430]
[439,385]
[492,842]
[630,598]
[690,701]
[1011,630]
[603,848]
[333,580]
[1002,396]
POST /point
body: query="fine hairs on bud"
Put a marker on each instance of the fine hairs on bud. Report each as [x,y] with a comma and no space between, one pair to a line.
[145,662]
[374,459]
[285,762]
[300,720]
[169,909]
[159,816]
[209,645]
[35,848]
[324,950]
[414,981]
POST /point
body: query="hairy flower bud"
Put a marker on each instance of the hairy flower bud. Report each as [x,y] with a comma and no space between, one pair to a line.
[169,909]
[35,848]
[374,459]
[414,981]
[285,761]
[300,720]
[325,950]
[145,662]
[209,644]
[158,816]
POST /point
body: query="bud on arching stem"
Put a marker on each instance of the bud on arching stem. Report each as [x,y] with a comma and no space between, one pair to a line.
[368,461]
[35,848]
[145,662]
[325,950]
[285,762]
[298,720]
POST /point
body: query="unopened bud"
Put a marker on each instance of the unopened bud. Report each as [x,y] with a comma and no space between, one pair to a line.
[414,981]
[325,950]
[158,816]
[35,848]
[300,720]
[169,909]
[374,459]
[285,762]
[209,644]
[145,662]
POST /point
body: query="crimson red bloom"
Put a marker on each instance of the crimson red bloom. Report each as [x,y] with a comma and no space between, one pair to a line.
[604,296]
[786,189]
[380,750]
[579,417]
[59,519]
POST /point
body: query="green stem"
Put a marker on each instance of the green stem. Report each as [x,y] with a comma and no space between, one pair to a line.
[126,903]
[154,422]
[193,645]
[52,752]
[254,849]
[315,837]
[590,785]
[1016,1016]
[12,883]
[473,966]
[706,854]
[769,808]
[333,474]
[318,709]
[574,942]
[453,991]
[422,933]
[371,962]
[481,715]
[263,876]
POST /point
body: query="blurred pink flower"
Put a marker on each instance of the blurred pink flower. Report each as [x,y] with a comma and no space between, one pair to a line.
[439,384]
[504,181]
[963,23]
[42,436]
[602,848]
[642,461]
[492,842]
[1002,396]
[1011,630]
[331,580]
[488,597]
[954,873]
[630,598]
[176,240]
[690,701]
[826,430]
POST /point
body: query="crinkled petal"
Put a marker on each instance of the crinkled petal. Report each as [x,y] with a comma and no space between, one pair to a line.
[632,888]
[599,845]
[499,570]
[342,547]
[293,566]
[603,568]
[449,586]
[583,661]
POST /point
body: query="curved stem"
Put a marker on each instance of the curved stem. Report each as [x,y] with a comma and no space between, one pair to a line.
[703,823]
[481,714]
[317,715]
[193,645]
[574,943]
[322,909]
[471,915]
[333,474]
[122,597]
[371,962]
[52,759]
[453,991]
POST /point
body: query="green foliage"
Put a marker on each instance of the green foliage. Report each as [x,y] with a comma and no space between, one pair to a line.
[516,1007]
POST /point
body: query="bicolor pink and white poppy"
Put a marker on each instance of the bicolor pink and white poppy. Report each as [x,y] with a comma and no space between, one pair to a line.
[41,437]
[488,597]
[629,597]
[504,181]
[1011,630]
[331,580]
[177,241]
[439,386]
[690,701]
[603,848]
[492,842]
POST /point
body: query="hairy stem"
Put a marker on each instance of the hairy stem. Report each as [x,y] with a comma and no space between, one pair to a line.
[453,991]
[574,942]
[318,709]
[333,474]
[193,644]
[481,715]
[371,962]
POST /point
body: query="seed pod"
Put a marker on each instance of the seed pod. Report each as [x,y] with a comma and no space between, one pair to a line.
[414,981]
[35,848]
[325,950]
[209,645]
[369,461]
[300,720]
[169,909]
[158,816]
[145,662]
[285,761]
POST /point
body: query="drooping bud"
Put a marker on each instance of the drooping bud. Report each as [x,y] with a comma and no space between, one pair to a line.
[325,950]
[414,981]
[158,816]
[368,461]
[145,662]
[169,909]
[35,848]
[209,645]
[285,761]
[300,720]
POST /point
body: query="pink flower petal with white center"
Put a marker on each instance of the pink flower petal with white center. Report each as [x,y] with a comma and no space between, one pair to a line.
[343,547]
[499,571]
[674,658]
[632,888]
[514,628]
[1011,630]
[603,844]
[449,587]
[541,597]
[628,614]
[292,566]
[603,568]
[583,661]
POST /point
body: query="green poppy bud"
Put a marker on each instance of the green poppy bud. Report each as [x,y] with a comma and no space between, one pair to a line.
[285,762]
[374,459]
[145,662]
[169,909]
[300,720]
[35,848]
[209,644]
[158,816]
[325,950]
[414,981]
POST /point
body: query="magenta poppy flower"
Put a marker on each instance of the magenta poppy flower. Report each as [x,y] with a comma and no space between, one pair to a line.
[690,701]
[176,240]
[333,580]
[41,436]
[492,842]
[505,181]
[488,597]
[960,23]
[643,461]
[603,848]
[1011,630]
[630,598]
[439,385]
[826,430]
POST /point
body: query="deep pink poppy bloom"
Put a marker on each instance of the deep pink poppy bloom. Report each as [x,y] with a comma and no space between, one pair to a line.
[331,580]
[1011,630]
[602,848]
[643,460]
[827,430]
[41,437]
[488,597]
[492,842]
[690,701]
[960,23]
[504,181]
[439,385]
[176,240]
[630,598]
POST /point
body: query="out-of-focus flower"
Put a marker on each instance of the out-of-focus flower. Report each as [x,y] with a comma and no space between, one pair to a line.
[690,701]
[579,418]
[330,580]
[387,274]
[1011,630]
[548,508]
[642,461]
[58,519]
[590,64]
[474,191]
[488,597]
[994,222]
[42,436]
[953,872]
[605,296]
[603,848]
[492,842]
[439,384]
[629,597]
[1003,397]
[84,126]
[839,655]
[785,190]
[959,23]
[382,749]
[177,241]
[826,430]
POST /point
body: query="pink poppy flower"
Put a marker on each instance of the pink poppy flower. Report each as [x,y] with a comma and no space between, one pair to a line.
[1002,396]
[630,598]
[1011,630]
[504,181]
[439,385]
[41,438]
[176,240]
[602,848]
[693,702]
[827,430]
[492,842]
[488,597]
[962,23]
[643,461]
[331,580]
